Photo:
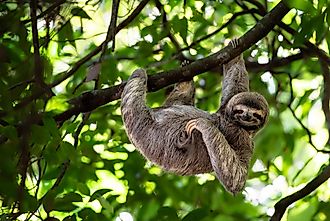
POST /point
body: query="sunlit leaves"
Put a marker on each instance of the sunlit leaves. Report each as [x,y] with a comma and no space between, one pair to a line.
[57,104]
[98,194]
[180,25]
[85,169]
[303,5]
[77,11]
[66,33]
[61,203]
[312,20]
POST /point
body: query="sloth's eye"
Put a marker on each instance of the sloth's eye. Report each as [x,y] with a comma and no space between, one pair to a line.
[238,111]
[258,116]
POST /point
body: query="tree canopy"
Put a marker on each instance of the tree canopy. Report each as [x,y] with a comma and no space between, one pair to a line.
[64,151]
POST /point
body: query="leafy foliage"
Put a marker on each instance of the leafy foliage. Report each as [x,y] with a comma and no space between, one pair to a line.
[84,168]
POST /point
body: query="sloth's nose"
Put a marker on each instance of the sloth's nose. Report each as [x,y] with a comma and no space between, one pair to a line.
[247,116]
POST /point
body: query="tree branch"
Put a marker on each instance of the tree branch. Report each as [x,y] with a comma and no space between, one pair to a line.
[281,205]
[112,28]
[47,11]
[91,100]
[232,18]
[310,47]
[274,63]
[82,61]
[38,69]
[308,132]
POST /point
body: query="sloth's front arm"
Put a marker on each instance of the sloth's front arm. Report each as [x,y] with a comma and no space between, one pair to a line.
[230,167]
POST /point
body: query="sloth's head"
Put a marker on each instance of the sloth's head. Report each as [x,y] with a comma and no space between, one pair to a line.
[248,110]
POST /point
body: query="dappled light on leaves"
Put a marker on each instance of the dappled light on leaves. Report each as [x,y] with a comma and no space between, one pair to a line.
[63,150]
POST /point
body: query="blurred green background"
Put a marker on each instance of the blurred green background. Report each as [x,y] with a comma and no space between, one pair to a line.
[85,168]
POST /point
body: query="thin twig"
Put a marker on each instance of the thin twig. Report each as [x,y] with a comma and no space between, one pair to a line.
[82,61]
[284,203]
[310,47]
[308,132]
[232,18]
[47,11]
[111,33]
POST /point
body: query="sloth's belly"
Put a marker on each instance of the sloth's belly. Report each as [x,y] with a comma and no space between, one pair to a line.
[163,148]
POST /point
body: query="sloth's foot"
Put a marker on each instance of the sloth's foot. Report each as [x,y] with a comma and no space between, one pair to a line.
[234,42]
[185,63]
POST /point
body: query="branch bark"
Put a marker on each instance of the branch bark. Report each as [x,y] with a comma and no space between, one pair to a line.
[281,205]
[91,100]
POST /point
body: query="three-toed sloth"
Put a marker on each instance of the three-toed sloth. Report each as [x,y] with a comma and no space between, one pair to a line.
[185,140]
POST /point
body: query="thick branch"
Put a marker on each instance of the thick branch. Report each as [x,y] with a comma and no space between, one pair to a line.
[91,100]
[281,205]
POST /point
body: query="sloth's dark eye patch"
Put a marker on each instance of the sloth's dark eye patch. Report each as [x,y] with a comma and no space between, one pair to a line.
[258,116]
[238,111]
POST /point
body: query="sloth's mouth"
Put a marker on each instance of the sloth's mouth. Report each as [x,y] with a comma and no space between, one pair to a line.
[252,124]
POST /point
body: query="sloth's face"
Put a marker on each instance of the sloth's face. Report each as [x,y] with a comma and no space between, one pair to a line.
[248,110]
[249,118]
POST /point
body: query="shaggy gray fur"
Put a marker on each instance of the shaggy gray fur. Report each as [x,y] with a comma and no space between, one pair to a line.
[220,142]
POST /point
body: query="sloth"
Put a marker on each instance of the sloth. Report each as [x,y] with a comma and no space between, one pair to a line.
[185,140]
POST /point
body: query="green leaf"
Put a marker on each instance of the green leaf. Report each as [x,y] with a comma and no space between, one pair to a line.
[303,211]
[70,218]
[166,214]
[9,132]
[180,25]
[303,5]
[66,33]
[40,135]
[30,203]
[51,126]
[77,11]
[48,200]
[83,188]
[87,214]
[65,203]
[320,26]
[304,98]
[148,210]
[66,150]
[197,214]
[57,104]
[306,30]
[98,193]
